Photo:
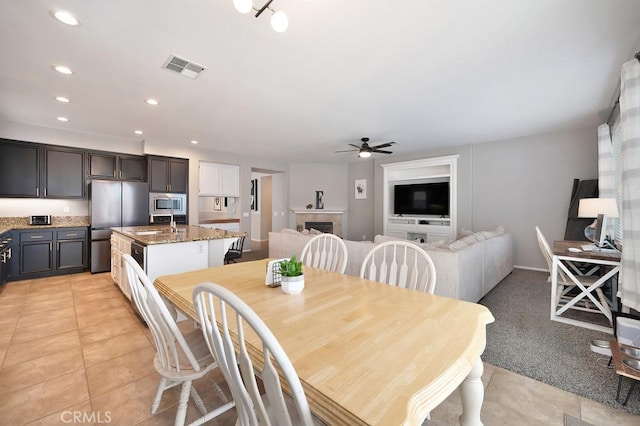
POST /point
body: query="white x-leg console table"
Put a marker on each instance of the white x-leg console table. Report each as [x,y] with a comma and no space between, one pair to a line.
[564,260]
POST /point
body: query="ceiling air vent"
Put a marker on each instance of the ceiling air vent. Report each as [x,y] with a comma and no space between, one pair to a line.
[183,67]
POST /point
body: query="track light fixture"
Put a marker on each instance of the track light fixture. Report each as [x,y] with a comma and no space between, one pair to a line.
[279,21]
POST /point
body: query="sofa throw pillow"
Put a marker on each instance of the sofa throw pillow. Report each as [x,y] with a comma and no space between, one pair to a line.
[290,231]
[457,245]
[464,232]
[313,231]
[384,238]
[439,245]
[494,232]
[469,239]
[479,236]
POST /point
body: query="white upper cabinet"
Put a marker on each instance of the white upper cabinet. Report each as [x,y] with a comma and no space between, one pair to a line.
[219,180]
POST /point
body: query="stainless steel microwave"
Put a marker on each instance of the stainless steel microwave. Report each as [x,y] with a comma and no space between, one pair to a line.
[167,203]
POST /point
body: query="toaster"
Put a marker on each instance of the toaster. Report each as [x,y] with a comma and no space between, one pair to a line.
[43,219]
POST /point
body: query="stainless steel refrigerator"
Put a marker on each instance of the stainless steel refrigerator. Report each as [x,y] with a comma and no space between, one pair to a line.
[114,204]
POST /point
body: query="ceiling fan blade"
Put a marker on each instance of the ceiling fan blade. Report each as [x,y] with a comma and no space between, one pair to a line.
[355,146]
[348,150]
[383,145]
[382,152]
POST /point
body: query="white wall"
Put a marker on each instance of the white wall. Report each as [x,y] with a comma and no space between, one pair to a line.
[280,201]
[517,183]
[266,212]
[525,182]
[361,212]
[307,178]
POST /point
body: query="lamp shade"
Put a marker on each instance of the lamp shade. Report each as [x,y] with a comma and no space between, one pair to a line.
[279,21]
[592,207]
[243,6]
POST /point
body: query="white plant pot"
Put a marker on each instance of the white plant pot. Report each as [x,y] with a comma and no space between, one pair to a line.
[293,285]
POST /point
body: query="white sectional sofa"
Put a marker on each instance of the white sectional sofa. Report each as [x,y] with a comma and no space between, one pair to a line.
[466,269]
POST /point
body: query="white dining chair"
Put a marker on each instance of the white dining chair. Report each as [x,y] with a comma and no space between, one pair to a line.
[225,318]
[325,251]
[401,264]
[180,358]
[566,286]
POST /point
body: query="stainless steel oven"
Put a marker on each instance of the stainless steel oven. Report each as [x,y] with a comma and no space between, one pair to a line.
[167,203]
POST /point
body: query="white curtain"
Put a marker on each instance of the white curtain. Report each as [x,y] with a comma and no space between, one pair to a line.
[605,163]
[606,170]
[630,159]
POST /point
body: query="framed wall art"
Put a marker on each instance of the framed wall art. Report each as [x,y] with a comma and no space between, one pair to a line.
[361,189]
[254,195]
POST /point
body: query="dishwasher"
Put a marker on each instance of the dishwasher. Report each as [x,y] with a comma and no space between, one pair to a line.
[137,252]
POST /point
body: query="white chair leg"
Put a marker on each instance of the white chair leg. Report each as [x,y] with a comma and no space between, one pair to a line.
[156,401]
[198,401]
[182,403]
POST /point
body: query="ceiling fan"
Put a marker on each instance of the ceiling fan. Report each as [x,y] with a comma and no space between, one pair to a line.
[365,151]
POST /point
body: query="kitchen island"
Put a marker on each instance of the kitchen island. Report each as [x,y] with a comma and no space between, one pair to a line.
[162,252]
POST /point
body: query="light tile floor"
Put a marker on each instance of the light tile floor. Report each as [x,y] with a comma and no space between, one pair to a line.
[72,351]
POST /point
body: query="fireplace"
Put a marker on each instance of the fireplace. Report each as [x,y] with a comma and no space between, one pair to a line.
[315,219]
[325,227]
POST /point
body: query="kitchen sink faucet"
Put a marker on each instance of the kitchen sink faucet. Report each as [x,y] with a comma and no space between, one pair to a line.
[172,223]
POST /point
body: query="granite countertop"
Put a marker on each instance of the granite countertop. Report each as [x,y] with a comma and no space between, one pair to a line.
[150,235]
[22,223]
[232,220]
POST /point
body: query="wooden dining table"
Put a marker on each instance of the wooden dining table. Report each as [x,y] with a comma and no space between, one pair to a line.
[366,353]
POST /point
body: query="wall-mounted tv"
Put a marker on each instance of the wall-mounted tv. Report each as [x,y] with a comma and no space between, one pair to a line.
[421,199]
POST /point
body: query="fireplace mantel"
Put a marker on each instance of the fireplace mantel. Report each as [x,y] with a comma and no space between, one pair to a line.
[318,211]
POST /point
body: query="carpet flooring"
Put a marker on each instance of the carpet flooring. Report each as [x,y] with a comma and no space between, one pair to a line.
[524,340]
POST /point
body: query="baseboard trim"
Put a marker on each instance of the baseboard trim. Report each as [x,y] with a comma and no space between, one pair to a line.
[529,268]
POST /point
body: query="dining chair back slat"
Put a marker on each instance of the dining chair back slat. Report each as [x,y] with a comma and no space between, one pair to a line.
[213,303]
[175,361]
[401,264]
[325,251]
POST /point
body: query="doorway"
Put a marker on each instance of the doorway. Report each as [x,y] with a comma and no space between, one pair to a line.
[267,206]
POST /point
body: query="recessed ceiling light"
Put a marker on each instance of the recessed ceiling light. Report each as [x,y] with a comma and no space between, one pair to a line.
[62,99]
[64,17]
[63,119]
[138,132]
[151,102]
[63,70]
[194,142]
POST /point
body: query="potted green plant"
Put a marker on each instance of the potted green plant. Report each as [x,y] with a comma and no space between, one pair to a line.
[292,276]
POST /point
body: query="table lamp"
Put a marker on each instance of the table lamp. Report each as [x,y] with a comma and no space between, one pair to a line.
[600,209]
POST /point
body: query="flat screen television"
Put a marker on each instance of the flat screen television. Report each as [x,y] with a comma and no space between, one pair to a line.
[421,199]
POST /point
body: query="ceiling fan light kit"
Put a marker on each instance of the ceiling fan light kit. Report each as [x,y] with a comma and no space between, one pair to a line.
[365,151]
[279,20]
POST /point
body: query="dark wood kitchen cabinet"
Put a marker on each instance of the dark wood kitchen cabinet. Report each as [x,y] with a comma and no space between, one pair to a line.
[168,174]
[50,252]
[36,252]
[40,171]
[63,173]
[108,165]
[6,254]
[71,248]
[19,169]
